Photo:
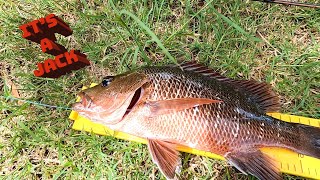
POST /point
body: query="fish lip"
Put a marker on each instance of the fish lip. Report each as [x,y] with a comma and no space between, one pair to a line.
[75,106]
[86,101]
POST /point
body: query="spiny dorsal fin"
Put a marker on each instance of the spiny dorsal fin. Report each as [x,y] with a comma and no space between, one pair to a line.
[166,156]
[198,68]
[261,92]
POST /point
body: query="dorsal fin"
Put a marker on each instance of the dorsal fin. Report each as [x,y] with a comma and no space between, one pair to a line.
[261,92]
[198,68]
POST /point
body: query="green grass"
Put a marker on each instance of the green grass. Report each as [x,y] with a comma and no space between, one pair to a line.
[272,43]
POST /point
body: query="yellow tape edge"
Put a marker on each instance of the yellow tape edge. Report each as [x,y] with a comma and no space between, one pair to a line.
[288,161]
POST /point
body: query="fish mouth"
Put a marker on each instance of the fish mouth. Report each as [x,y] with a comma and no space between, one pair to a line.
[134,100]
[86,105]
[86,101]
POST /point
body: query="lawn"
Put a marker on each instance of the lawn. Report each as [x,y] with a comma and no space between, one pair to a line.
[241,39]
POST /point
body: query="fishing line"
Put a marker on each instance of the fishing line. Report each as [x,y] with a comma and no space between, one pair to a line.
[286,2]
[36,103]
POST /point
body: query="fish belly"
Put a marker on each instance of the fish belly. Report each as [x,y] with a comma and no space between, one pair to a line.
[198,127]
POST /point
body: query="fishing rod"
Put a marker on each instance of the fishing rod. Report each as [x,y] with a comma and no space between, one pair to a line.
[290,3]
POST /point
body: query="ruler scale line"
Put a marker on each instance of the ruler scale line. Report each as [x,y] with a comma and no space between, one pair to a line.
[289,119]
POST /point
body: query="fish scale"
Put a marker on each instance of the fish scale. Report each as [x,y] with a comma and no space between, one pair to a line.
[211,130]
[178,106]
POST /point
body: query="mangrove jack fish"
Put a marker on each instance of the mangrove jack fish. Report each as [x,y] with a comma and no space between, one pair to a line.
[191,105]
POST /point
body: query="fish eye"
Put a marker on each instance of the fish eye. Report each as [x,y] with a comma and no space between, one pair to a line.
[106,81]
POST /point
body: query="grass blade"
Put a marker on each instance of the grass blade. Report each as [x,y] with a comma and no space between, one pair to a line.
[150,33]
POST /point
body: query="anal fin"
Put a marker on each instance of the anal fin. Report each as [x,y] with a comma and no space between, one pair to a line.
[256,163]
[166,156]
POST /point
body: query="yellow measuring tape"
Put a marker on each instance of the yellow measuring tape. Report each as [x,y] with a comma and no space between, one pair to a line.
[289,161]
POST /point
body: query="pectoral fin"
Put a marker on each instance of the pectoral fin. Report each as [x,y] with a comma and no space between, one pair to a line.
[172,105]
[256,163]
[165,156]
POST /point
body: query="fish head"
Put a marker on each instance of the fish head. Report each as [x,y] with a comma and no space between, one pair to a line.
[112,99]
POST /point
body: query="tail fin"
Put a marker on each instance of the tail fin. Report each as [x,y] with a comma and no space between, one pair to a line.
[310,138]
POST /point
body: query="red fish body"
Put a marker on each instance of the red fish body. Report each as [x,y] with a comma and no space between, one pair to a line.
[195,107]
